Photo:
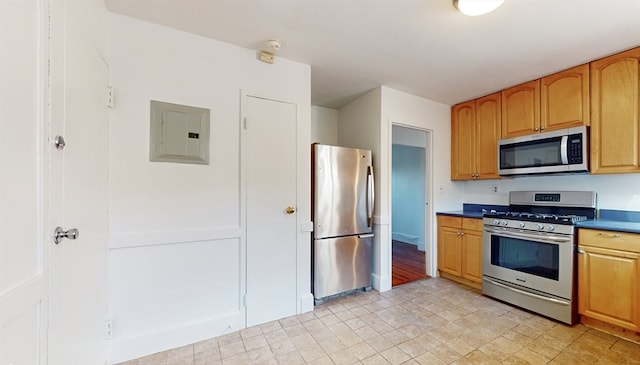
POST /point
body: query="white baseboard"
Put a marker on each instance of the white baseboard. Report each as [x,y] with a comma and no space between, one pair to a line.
[306,303]
[381,283]
[133,347]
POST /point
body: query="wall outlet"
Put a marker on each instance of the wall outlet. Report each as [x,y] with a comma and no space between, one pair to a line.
[494,188]
[109,329]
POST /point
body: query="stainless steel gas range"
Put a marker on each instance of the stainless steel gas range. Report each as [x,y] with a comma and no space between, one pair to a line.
[528,254]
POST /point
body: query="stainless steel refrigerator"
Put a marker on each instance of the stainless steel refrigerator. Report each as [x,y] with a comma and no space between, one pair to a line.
[342,218]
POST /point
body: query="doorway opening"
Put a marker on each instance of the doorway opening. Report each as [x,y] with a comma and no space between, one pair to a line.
[409,204]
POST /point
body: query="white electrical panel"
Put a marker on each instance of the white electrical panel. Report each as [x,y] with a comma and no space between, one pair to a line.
[179,133]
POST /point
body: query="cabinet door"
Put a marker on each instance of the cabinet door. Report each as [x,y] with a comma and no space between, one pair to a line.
[609,283]
[615,114]
[472,256]
[521,109]
[450,250]
[564,99]
[487,135]
[463,141]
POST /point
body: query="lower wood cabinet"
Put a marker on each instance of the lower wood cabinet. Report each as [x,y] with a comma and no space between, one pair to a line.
[460,249]
[609,277]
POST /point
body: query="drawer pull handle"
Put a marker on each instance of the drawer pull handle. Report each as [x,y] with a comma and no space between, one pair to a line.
[610,236]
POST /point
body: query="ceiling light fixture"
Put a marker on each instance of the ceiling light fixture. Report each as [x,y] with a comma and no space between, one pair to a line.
[476,7]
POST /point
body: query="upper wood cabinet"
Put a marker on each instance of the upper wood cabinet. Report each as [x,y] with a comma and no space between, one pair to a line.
[521,109]
[554,102]
[463,141]
[475,130]
[564,99]
[615,113]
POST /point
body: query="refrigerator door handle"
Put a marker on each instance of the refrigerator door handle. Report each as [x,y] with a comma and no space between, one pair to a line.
[370,196]
[368,235]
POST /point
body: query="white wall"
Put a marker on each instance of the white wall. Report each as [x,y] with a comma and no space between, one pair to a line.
[367,123]
[615,191]
[388,106]
[359,127]
[176,233]
[412,111]
[324,125]
[408,136]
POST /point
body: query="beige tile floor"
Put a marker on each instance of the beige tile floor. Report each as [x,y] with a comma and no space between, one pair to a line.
[432,321]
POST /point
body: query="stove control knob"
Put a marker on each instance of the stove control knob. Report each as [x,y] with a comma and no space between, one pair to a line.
[540,226]
[521,224]
[504,223]
[550,227]
[496,222]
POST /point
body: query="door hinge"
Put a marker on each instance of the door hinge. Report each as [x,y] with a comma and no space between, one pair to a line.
[245,123]
[110,97]
[244,300]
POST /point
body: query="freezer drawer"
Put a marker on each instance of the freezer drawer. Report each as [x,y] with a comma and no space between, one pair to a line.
[341,264]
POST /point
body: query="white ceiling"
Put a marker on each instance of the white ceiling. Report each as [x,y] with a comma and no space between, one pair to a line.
[423,47]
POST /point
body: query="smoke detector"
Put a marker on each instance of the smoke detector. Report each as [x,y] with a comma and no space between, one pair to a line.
[272,45]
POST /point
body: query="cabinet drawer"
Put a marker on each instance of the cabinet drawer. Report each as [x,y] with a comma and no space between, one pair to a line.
[472,224]
[609,239]
[450,221]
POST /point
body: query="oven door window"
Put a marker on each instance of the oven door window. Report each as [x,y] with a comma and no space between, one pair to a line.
[531,257]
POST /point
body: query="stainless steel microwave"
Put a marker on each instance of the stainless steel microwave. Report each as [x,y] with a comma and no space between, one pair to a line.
[564,150]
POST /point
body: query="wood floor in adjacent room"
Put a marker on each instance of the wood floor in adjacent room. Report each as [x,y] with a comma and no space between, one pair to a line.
[407,263]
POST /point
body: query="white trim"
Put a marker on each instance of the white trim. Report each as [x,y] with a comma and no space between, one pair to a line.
[306,303]
[430,246]
[143,344]
[141,239]
[305,226]
[431,236]
[18,300]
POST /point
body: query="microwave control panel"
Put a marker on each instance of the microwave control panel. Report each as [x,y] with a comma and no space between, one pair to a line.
[575,149]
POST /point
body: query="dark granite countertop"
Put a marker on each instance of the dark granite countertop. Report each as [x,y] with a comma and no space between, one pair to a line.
[474,210]
[614,220]
[462,213]
[611,225]
[610,220]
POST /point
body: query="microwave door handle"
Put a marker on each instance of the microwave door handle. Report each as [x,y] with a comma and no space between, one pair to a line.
[564,152]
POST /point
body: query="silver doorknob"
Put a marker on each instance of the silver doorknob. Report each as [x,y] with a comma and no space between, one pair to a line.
[59,142]
[60,233]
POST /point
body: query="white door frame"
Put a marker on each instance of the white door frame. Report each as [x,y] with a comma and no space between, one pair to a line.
[304,225]
[430,244]
[77,190]
[23,301]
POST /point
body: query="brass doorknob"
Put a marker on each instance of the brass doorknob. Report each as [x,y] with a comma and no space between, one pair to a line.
[290,210]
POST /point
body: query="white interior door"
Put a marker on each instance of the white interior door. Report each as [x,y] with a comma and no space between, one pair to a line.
[23,247]
[269,139]
[78,287]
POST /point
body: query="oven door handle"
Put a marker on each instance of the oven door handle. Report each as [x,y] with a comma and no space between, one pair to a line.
[537,296]
[531,237]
